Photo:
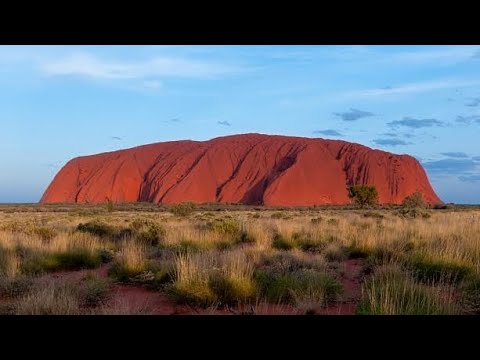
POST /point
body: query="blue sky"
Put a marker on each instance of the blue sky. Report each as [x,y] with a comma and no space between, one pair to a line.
[59,102]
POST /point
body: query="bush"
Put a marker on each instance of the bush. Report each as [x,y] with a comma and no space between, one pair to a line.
[109,205]
[282,243]
[77,259]
[226,226]
[363,195]
[74,259]
[106,255]
[96,228]
[232,291]
[414,201]
[183,209]
[152,236]
[430,270]
[195,293]
[94,290]
[291,287]
[306,243]
[39,263]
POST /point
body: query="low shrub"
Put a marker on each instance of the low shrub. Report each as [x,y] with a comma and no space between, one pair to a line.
[430,270]
[183,209]
[96,228]
[94,290]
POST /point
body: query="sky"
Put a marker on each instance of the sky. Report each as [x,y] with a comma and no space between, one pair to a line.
[60,102]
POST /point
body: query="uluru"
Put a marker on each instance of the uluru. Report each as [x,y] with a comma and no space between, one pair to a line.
[253,169]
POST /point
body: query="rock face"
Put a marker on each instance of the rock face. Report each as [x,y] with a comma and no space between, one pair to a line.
[248,169]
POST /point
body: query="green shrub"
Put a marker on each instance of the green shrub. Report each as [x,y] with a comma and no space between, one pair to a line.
[306,243]
[232,291]
[74,259]
[152,236]
[121,272]
[106,255]
[183,209]
[282,243]
[185,246]
[226,226]
[414,201]
[431,270]
[195,293]
[96,228]
[356,252]
[363,195]
[94,290]
[109,205]
[77,259]
[39,263]
[290,287]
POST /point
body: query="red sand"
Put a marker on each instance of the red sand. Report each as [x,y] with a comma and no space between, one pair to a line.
[249,169]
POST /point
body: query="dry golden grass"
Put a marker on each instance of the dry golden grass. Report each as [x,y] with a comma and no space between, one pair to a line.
[211,265]
[49,299]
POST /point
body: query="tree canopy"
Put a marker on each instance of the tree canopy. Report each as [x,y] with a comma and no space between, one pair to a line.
[363,195]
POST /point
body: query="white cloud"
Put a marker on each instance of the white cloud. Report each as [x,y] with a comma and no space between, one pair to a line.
[412,88]
[85,64]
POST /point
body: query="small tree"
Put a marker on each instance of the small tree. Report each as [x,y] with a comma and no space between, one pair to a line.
[363,195]
[109,204]
[414,201]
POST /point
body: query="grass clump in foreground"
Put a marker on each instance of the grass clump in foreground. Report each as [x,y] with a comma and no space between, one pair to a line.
[298,286]
[296,279]
[129,263]
[212,278]
[50,299]
[430,270]
[94,290]
[390,291]
[73,259]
